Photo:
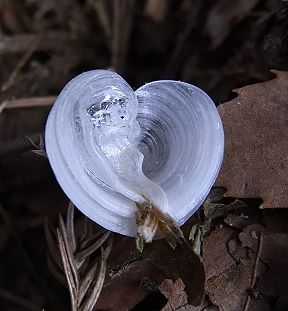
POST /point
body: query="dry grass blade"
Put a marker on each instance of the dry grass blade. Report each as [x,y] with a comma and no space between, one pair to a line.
[86,282]
[78,265]
[91,249]
[2,106]
[89,240]
[39,148]
[108,247]
[70,227]
[50,238]
[69,252]
[68,271]
[24,59]
[94,295]
[101,10]
[58,274]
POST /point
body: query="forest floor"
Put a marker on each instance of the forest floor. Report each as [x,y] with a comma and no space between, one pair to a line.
[240,237]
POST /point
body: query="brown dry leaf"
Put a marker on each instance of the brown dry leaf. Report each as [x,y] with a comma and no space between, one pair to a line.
[177,298]
[174,292]
[248,270]
[216,259]
[225,14]
[225,282]
[228,274]
[256,143]
[158,262]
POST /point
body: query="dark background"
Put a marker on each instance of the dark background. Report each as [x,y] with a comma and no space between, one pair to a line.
[218,45]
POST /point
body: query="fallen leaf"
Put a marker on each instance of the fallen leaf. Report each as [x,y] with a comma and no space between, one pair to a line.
[229,269]
[177,298]
[247,270]
[250,235]
[216,258]
[256,143]
[128,268]
[174,292]
[237,221]
[227,290]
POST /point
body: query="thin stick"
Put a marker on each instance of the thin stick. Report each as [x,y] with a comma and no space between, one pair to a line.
[173,63]
[45,101]
[255,267]
[122,21]
[101,10]
[24,59]
[20,43]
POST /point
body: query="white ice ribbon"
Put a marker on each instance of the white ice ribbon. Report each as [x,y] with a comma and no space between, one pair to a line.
[111,147]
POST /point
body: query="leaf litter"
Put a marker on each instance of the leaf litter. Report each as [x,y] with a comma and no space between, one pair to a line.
[243,251]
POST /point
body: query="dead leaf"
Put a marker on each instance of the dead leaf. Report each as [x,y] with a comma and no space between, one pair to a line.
[216,258]
[248,270]
[250,235]
[174,292]
[229,269]
[227,290]
[158,262]
[256,129]
[237,221]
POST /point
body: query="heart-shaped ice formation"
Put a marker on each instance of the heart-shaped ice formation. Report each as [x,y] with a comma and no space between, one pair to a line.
[113,149]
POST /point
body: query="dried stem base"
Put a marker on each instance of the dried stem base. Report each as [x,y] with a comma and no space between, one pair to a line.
[149,219]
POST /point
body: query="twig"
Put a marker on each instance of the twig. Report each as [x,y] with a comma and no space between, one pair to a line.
[101,10]
[45,101]
[173,63]
[20,42]
[122,21]
[2,106]
[24,59]
[22,302]
[255,267]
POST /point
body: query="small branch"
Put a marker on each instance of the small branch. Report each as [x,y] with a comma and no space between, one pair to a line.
[122,21]
[45,101]
[24,59]
[176,55]
[20,42]
[255,267]
[101,10]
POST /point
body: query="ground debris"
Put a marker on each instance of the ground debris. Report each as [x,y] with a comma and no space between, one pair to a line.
[255,125]
[246,271]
